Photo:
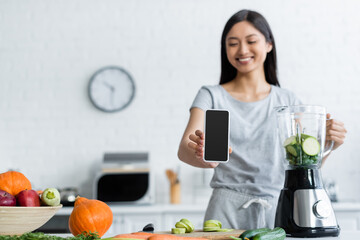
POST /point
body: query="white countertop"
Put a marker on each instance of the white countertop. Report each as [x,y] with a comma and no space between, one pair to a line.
[346,206]
[344,235]
[117,208]
[200,208]
[151,208]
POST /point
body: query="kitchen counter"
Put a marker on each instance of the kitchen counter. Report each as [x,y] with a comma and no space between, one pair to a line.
[153,208]
[130,218]
[346,206]
[117,208]
[344,235]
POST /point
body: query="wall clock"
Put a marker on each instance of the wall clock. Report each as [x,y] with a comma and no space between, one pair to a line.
[111,89]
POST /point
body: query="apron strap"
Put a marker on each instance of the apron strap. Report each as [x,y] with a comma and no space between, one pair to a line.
[264,205]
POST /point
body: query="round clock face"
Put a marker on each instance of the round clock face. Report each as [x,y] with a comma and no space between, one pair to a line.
[111,89]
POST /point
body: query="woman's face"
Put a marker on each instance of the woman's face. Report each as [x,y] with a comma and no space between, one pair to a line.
[246,47]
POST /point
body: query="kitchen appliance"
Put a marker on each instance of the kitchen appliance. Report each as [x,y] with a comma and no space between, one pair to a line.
[125,178]
[68,196]
[304,208]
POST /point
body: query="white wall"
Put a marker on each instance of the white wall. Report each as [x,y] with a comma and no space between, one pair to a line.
[49,49]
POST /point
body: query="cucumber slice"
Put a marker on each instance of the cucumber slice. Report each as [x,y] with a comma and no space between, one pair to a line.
[212,223]
[224,230]
[211,229]
[294,150]
[189,225]
[311,146]
[181,225]
[304,136]
[289,141]
[178,230]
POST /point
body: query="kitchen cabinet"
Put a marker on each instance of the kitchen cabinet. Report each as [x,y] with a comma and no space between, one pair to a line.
[135,222]
[164,217]
[132,218]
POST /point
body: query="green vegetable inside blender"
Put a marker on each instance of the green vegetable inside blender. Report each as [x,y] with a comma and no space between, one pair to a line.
[303,150]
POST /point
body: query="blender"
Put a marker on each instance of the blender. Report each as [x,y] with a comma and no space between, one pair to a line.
[304,208]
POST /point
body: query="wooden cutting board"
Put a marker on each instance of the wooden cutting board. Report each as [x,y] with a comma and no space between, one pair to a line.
[210,235]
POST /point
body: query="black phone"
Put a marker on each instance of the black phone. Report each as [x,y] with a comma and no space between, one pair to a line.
[217,133]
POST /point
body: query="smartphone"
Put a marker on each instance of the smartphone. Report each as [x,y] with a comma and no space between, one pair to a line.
[217,133]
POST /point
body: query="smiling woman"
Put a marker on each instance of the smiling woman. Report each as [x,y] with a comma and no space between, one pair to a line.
[246,188]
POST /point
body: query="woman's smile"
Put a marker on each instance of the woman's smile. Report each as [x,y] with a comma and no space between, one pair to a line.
[244,60]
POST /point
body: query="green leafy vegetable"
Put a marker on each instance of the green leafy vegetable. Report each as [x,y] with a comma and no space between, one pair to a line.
[42,236]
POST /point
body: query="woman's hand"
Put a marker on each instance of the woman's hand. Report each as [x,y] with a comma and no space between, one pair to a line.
[197,145]
[335,131]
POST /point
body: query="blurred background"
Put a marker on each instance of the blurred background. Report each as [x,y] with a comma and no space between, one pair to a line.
[50,131]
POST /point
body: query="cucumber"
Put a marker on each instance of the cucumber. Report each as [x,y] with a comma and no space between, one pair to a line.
[235,238]
[251,233]
[224,230]
[294,150]
[212,223]
[189,225]
[211,229]
[304,136]
[185,223]
[275,234]
[311,146]
[289,141]
[178,230]
[181,225]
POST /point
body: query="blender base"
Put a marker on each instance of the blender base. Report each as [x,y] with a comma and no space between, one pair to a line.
[285,219]
[304,209]
[314,233]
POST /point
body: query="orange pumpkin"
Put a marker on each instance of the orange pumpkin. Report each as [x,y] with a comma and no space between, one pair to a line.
[90,215]
[14,182]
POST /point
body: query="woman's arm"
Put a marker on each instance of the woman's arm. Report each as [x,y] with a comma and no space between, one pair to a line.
[191,149]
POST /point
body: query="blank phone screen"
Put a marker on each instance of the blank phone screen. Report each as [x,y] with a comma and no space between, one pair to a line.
[216,135]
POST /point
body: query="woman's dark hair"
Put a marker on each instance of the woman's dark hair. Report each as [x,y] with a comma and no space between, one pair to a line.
[228,72]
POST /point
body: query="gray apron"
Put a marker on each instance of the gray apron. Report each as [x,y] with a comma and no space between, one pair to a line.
[241,211]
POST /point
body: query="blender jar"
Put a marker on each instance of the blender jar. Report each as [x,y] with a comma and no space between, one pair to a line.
[302,130]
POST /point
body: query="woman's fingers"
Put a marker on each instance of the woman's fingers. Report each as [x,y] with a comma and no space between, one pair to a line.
[196,139]
[213,164]
[199,152]
[335,128]
[333,122]
[338,140]
[200,134]
[193,146]
[335,131]
[336,136]
[197,144]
